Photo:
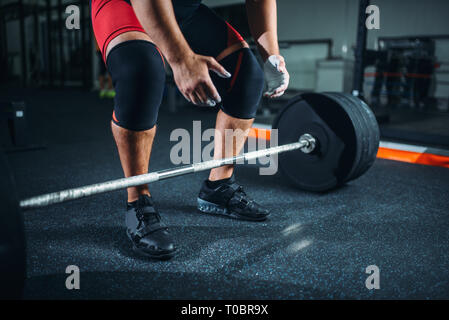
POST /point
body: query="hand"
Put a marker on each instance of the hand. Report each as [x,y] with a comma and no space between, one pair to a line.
[193,80]
[276,76]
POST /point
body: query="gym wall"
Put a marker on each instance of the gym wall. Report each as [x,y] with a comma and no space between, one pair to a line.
[339,20]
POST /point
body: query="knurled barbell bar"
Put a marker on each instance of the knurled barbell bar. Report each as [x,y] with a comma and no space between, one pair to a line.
[325,140]
[306,143]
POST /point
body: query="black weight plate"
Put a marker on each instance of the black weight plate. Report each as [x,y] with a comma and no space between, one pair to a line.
[332,124]
[12,237]
[372,128]
[360,125]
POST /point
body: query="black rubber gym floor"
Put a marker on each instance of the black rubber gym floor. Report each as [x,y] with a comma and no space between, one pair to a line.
[314,246]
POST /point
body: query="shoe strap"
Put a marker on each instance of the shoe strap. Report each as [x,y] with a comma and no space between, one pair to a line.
[149,220]
[146,211]
[239,197]
[149,228]
[231,190]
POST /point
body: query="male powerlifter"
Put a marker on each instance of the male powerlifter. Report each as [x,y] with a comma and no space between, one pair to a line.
[134,37]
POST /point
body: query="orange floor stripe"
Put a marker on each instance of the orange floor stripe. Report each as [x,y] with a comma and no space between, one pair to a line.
[260,133]
[384,153]
[414,157]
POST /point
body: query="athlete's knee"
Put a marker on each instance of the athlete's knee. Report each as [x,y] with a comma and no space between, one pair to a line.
[244,89]
[138,76]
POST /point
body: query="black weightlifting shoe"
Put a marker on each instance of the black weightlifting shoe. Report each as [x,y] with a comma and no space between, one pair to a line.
[150,237]
[226,197]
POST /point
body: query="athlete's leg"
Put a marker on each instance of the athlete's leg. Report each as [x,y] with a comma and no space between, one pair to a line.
[234,132]
[138,75]
[115,25]
[240,103]
[209,35]
[134,146]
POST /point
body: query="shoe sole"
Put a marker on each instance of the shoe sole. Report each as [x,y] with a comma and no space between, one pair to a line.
[140,252]
[215,209]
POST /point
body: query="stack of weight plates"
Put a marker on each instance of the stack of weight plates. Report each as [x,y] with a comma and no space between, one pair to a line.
[347,139]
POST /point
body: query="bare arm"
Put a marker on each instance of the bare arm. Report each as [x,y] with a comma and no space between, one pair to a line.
[157,17]
[262,19]
[191,71]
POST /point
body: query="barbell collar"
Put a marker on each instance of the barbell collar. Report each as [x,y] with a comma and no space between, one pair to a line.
[310,143]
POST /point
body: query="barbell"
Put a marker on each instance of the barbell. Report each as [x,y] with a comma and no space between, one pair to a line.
[325,140]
